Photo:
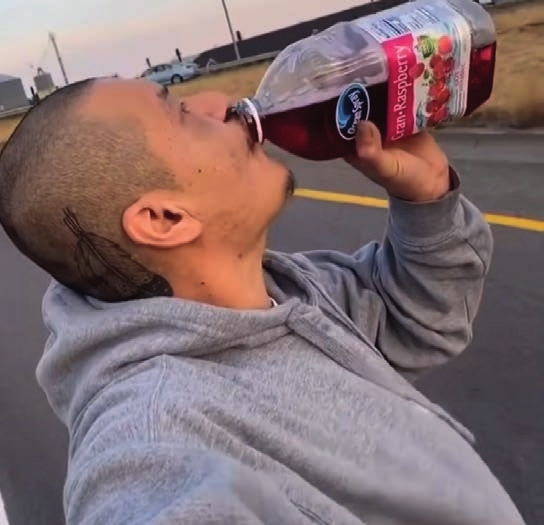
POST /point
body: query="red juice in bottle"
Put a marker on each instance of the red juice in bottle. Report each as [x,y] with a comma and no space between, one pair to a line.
[406,69]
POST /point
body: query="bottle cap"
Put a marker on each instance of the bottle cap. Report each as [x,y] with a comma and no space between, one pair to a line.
[247,109]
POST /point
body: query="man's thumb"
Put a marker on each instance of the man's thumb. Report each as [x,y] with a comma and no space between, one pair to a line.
[375,162]
[368,140]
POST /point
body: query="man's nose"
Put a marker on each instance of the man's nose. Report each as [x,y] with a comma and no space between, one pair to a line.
[212,104]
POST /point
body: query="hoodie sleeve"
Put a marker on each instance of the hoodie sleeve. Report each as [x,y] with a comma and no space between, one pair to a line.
[161,483]
[417,293]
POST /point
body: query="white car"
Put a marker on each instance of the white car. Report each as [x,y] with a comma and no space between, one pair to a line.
[171,73]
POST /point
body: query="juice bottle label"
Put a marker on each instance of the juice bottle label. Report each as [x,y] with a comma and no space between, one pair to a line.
[352,107]
[428,47]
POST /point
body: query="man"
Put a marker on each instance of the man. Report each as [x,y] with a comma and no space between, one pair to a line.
[206,380]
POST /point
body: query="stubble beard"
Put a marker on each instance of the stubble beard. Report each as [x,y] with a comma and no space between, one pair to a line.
[290,185]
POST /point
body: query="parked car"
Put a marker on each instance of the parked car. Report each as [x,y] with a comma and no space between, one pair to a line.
[171,73]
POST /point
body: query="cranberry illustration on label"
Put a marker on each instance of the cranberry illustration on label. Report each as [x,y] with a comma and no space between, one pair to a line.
[417,70]
[439,116]
[436,61]
[445,45]
[448,64]
[436,68]
[432,106]
[436,87]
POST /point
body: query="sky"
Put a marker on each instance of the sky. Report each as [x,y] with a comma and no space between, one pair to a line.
[104,37]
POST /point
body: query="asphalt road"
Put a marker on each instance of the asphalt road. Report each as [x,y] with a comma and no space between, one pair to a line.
[495,387]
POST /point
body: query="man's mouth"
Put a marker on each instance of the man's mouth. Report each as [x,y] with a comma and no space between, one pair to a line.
[232,114]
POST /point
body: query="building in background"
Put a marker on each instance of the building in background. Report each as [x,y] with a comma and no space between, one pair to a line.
[12,94]
[183,59]
[275,41]
[43,83]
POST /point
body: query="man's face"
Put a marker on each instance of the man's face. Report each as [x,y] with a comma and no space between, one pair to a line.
[227,182]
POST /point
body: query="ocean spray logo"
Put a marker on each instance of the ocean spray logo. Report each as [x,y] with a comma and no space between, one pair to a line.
[352,107]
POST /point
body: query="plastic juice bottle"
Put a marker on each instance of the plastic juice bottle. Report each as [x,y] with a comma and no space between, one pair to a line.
[406,69]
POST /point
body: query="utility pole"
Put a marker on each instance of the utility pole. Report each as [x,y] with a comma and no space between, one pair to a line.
[230,29]
[59,58]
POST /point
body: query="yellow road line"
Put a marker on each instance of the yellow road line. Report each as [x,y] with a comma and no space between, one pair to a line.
[521,223]
[343,198]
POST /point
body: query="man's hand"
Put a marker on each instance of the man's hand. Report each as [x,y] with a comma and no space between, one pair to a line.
[413,169]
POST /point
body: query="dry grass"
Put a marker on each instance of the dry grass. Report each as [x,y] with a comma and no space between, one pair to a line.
[6,128]
[236,84]
[518,96]
[517,100]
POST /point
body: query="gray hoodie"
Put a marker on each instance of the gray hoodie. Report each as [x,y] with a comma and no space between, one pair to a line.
[184,413]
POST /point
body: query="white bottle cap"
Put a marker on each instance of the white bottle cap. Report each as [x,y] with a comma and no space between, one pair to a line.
[252,110]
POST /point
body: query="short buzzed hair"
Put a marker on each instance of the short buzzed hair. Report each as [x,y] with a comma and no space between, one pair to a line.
[65,181]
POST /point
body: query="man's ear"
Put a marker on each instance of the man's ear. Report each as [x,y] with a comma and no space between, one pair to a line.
[161,222]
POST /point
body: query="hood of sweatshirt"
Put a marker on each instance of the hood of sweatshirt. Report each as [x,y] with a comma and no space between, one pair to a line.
[91,341]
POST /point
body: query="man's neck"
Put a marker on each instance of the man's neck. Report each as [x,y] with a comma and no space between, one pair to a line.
[226,280]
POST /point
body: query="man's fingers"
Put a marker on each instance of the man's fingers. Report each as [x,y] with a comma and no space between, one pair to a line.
[419,144]
[414,168]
